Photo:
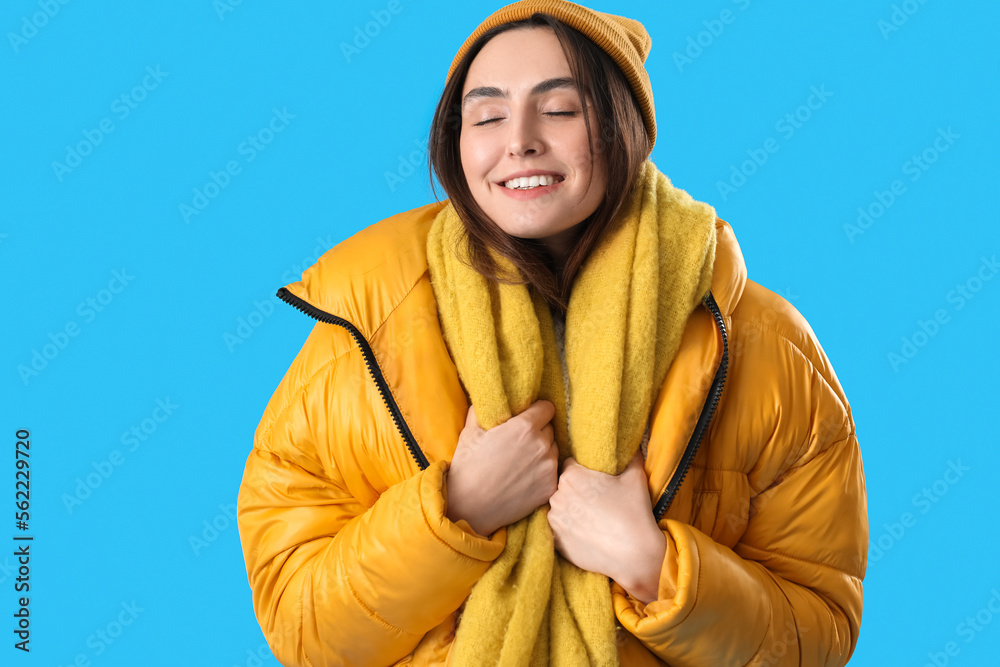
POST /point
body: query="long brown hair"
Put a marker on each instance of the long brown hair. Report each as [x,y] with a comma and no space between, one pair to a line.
[623,141]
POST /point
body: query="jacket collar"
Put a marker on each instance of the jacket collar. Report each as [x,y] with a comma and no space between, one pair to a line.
[729,273]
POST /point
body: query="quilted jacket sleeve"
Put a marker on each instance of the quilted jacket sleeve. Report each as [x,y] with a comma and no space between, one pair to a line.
[335,582]
[790,591]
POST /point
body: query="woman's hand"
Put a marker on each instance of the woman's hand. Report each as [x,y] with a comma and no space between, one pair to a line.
[502,475]
[604,523]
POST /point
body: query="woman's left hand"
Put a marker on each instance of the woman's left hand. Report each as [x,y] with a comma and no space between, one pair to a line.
[604,523]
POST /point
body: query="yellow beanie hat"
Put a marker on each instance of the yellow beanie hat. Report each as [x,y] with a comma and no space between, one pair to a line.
[624,39]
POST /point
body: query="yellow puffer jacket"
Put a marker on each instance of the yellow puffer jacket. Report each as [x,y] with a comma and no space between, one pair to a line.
[754,470]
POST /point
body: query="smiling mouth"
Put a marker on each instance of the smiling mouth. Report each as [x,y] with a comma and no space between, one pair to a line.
[532,182]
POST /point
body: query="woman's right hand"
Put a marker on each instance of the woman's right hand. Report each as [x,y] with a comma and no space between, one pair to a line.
[499,476]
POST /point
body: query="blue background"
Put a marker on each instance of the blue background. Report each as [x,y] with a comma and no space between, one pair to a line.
[173,331]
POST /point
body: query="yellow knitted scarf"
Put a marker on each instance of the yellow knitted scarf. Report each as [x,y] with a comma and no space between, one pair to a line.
[630,301]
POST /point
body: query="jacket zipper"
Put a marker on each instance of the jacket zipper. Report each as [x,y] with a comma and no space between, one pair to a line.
[707,410]
[373,368]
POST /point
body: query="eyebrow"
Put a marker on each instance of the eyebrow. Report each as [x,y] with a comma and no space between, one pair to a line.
[493,91]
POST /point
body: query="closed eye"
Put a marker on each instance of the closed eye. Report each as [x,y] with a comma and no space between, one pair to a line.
[547,113]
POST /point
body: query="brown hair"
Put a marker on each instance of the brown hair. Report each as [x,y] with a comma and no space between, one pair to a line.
[623,141]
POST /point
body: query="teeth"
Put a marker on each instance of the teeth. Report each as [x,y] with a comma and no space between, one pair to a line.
[528,182]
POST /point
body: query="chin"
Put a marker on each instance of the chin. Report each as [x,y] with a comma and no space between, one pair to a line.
[531,231]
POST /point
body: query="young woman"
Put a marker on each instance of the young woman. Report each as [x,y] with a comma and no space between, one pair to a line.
[550,420]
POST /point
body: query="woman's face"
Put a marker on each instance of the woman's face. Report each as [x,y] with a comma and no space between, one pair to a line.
[521,115]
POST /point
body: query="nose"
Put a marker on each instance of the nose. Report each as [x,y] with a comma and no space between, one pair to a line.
[523,136]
